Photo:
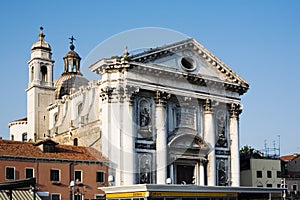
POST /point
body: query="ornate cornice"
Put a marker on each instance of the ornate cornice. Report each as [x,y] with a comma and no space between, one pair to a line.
[111,64]
[184,76]
[17,122]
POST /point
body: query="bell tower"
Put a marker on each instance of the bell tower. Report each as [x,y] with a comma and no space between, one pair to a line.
[40,91]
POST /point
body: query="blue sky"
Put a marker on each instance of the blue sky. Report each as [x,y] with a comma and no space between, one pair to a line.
[259,39]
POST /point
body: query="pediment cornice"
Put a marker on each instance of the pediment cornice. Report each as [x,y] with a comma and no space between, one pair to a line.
[191,44]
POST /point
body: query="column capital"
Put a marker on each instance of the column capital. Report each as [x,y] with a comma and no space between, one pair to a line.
[107,93]
[118,94]
[235,110]
[131,92]
[207,105]
[161,97]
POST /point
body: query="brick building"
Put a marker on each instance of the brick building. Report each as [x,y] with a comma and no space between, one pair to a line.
[60,170]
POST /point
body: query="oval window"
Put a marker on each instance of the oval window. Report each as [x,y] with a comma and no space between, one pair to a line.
[188,64]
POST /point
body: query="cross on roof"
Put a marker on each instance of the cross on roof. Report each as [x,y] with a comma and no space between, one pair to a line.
[72,39]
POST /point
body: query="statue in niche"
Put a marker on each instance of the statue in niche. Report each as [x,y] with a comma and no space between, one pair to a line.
[222,174]
[145,172]
[144,117]
[221,135]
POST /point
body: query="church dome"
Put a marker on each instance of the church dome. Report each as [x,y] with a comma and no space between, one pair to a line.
[68,83]
[71,79]
[41,43]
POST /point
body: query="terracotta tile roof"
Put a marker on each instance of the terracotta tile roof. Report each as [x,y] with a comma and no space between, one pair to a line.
[30,150]
[289,157]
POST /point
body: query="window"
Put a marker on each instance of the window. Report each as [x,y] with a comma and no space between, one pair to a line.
[269,185]
[295,187]
[278,174]
[32,73]
[100,177]
[75,142]
[55,196]
[44,73]
[54,175]
[10,173]
[258,174]
[55,117]
[99,196]
[29,173]
[188,64]
[269,174]
[78,175]
[77,196]
[79,109]
[12,137]
[24,137]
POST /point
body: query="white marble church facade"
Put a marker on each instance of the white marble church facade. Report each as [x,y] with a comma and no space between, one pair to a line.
[169,114]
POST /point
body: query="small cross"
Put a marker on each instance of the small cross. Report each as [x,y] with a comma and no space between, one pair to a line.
[72,39]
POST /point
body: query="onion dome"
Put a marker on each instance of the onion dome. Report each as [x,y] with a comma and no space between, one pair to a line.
[71,79]
[41,43]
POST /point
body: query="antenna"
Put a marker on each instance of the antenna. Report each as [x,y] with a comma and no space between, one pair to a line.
[272,152]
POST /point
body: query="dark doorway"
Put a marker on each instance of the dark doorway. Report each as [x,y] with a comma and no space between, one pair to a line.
[185,174]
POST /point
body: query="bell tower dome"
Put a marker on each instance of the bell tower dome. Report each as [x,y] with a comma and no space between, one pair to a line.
[40,91]
[40,63]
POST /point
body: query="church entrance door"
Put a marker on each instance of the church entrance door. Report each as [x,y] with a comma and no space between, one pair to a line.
[185,174]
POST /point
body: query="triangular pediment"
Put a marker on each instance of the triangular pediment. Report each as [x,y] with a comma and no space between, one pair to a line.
[190,57]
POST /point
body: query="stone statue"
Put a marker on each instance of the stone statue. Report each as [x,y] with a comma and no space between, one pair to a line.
[144,117]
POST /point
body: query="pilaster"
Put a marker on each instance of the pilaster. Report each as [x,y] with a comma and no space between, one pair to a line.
[161,136]
[234,110]
[209,137]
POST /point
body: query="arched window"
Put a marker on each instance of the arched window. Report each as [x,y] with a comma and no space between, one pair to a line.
[32,73]
[75,142]
[79,109]
[44,73]
[12,137]
[55,117]
[24,137]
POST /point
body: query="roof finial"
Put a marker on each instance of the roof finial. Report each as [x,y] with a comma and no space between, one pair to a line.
[41,34]
[126,53]
[72,47]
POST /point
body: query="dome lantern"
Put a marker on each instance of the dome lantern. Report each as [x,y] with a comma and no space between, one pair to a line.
[72,60]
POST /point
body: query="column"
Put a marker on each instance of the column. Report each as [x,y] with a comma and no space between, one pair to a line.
[128,139]
[161,137]
[209,137]
[105,94]
[235,110]
[172,176]
[36,76]
[201,173]
[49,75]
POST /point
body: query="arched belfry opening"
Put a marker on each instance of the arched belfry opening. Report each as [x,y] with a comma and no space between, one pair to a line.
[44,74]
